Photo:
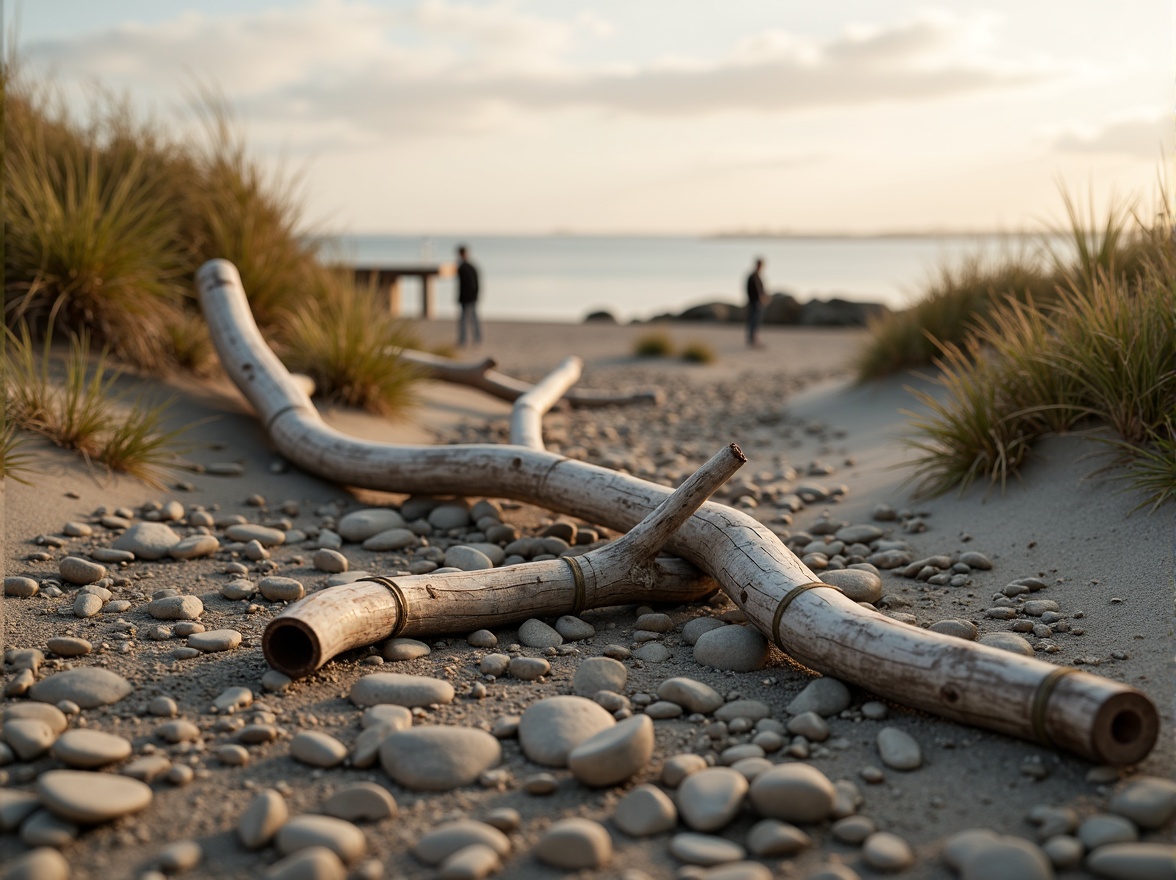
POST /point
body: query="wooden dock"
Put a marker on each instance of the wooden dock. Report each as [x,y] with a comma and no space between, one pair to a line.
[386,281]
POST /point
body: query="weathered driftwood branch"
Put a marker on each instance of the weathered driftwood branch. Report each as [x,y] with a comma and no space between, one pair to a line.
[1092,716]
[313,630]
[526,416]
[482,375]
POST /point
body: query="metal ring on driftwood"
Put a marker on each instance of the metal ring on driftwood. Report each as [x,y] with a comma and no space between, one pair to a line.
[786,601]
[1103,720]
[578,596]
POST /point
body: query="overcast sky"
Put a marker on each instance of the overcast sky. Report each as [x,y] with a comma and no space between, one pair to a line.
[677,116]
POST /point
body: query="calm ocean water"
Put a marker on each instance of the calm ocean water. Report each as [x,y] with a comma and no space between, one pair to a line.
[563,278]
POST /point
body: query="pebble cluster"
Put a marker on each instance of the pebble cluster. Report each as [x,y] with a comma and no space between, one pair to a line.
[569,743]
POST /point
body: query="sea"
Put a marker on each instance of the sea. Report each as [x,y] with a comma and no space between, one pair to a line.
[564,278]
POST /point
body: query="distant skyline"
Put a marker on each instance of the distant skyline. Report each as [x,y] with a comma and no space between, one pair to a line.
[535,116]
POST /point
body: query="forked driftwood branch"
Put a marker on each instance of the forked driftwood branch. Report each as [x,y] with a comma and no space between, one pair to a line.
[1095,717]
[313,630]
[482,375]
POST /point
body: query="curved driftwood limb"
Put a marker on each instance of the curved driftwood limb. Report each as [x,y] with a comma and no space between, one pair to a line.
[1095,717]
[482,375]
[313,630]
[526,416]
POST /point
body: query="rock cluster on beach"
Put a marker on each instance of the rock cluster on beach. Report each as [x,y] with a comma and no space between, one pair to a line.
[142,728]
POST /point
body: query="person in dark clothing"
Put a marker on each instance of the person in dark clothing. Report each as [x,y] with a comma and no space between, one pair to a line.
[467,298]
[756,300]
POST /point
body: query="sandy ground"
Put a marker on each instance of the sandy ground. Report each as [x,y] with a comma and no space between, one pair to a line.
[1080,535]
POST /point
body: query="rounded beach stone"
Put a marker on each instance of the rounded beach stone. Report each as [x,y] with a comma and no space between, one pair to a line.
[317,749]
[468,559]
[549,729]
[960,629]
[528,668]
[1103,829]
[677,767]
[853,829]
[281,589]
[861,586]
[534,633]
[181,856]
[88,686]
[793,793]
[884,851]
[449,515]
[435,758]
[810,725]
[404,649]
[180,730]
[86,749]
[195,547]
[573,629]
[652,652]
[214,640]
[361,802]
[176,608]
[1134,861]
[263,535]
[392,539]
[330,561]
[473,862]
[29,738]
[654,622]
[50,715]
[1148,801]
[42,828]
[1005,857]
[260,821]
[80,571]
[450,837]
[732,648]
[21,587]
[494,664]
[752,710]
[147,540]
[342,838]
[482,638]
[693,629]
[1007,641]
[312,863]
[691,695]
[613,755]
[69,646]
[899,750]
[400,689]
[87,605]
[90,798]
[599,674]
[239,589]
[662,710]
[42,863]
[575,844]
[386,715]
[644,811]
[825,696]
[770,838]
[961,846]
[359,525]
[705,849]
[711,799]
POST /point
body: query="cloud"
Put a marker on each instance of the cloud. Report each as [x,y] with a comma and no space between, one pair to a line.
[448,66]
[1145,137]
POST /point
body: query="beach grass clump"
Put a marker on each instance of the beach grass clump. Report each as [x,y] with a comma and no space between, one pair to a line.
[1102,357]
[188,344]
[955,300]
[16,461]
[655,343]
[73,402]
[91,240]
[345,340]
[698,352]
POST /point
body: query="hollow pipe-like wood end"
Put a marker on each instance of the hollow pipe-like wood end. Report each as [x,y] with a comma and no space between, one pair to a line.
[292,647]
[1124,729]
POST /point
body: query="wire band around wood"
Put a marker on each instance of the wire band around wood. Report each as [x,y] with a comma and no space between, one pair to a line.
[1041,703]
[786,601]
[579,590]
[398,597]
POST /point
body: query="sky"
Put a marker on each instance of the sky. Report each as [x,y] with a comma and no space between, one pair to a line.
[651,116]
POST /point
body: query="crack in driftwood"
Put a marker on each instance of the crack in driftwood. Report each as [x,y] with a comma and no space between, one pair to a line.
[815,624]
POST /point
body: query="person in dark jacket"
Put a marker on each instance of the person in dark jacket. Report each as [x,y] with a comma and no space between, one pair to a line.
[467,298]
[756,300]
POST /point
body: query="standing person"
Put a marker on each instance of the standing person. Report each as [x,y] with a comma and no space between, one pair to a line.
[756,300]
[467,298]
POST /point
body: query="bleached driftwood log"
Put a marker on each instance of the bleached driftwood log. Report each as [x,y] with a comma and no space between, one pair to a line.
[482,375]
[313,630]
[1095,717]
[526,416]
